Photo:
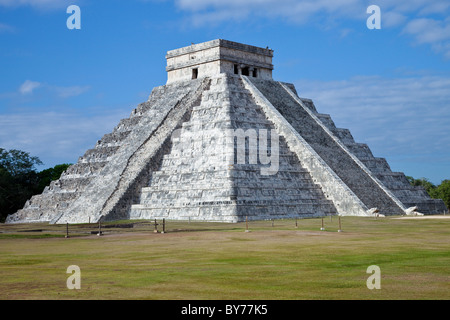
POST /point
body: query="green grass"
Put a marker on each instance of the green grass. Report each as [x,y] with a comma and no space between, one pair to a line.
[30,236]
[220,261]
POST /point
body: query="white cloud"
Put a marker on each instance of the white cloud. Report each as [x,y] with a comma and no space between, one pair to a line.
[41,4]
[411,6]
[408,16]
[435,7]
[6,28]
[394,116]
[431,31]
[57,137]
[393,19]
[72,91]
[297,10]
[28,86]
[205,12]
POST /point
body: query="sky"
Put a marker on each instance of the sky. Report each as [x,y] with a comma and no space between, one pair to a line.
[62,89]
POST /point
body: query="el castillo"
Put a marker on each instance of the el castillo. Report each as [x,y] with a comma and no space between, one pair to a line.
[222,141]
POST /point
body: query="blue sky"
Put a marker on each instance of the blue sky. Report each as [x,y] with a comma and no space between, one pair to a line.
[61,89]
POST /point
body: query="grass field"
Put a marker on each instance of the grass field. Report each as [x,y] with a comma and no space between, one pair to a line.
[221,261]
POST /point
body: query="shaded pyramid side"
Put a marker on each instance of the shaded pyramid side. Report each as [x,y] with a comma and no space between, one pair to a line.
[349,169]
[101,183]
[201,178]
[396,182]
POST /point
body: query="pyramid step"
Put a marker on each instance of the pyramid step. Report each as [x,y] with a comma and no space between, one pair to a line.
[344,135]
[113,139]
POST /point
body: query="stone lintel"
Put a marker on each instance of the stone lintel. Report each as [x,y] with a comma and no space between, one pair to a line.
[218,56]
[219,43]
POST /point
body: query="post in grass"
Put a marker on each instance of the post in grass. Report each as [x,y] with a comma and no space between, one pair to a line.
[99,228]
[322,228]
[246,224]
[164,226]
[156,227]
[67,229]
[340,229]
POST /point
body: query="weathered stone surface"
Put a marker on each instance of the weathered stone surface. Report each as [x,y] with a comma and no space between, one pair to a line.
[206,184]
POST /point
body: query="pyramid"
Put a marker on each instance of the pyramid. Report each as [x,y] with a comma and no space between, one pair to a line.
[223,141]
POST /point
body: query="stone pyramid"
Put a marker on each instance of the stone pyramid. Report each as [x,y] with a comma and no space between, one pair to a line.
[223,141]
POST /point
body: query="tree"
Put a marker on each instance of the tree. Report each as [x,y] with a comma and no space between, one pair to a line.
[18,180]
[442,191]
[424,182]
[48,175]
[5,181]
[18,162]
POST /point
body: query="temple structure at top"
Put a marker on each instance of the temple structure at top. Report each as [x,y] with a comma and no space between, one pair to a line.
[218,56]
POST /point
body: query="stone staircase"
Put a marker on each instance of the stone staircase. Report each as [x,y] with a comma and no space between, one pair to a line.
[200,178]
[85,187]
[301,116]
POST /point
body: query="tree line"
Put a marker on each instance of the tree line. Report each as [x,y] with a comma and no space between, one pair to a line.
[441,191]
[19,180]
